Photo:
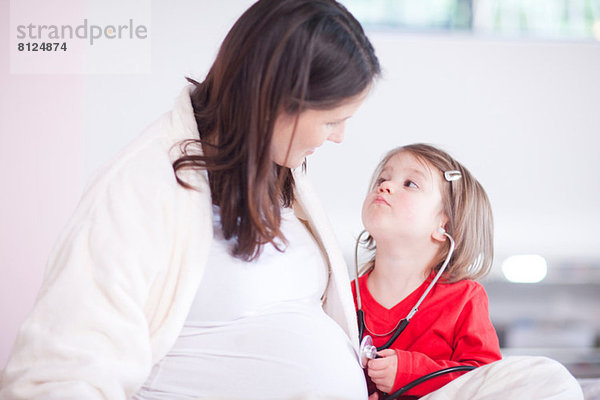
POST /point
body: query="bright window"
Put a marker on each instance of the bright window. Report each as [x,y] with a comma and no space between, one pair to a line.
[546,19]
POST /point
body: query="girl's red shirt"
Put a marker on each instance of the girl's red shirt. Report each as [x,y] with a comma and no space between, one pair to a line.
[452,327]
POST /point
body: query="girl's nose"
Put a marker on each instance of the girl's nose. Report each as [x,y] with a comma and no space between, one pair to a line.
[385,187]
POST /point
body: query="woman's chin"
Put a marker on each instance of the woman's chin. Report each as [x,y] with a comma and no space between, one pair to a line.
[291,164]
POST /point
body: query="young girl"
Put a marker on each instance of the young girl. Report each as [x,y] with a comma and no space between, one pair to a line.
[417,194]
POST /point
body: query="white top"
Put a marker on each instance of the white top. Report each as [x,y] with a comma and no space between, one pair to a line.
[258,330]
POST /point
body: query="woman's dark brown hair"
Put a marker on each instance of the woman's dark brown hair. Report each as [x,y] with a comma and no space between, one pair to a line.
[280,56]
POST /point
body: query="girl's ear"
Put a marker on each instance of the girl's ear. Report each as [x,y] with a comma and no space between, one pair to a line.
[438,233]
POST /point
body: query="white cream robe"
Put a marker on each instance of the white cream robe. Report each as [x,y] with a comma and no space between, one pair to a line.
[123,274]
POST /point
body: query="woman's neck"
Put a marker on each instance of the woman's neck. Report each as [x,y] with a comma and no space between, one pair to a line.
[398,272]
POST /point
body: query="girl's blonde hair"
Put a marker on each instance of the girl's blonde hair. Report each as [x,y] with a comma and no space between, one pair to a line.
[470,220]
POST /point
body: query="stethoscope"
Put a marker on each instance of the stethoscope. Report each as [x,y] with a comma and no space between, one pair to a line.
[368,351]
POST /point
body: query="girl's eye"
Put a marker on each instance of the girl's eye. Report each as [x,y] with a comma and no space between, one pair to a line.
[380,181]
[331,124]
[410,184]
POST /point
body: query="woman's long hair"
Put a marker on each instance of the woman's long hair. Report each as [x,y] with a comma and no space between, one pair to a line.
[280,56]
[469,212]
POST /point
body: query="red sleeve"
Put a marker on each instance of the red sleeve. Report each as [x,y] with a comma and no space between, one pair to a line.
[475,343]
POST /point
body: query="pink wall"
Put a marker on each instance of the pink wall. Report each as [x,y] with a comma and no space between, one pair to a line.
[40,177]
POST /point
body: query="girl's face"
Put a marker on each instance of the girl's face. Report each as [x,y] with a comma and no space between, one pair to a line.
[313,129]
[406,202]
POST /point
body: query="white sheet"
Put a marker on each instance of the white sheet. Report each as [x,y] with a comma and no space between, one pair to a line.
[513,378]
[591,388]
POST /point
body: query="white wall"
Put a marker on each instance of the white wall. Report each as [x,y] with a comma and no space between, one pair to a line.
[523,116]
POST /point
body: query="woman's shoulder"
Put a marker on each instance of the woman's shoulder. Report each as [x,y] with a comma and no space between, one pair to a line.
[140,168]
[145,165]
[134,204]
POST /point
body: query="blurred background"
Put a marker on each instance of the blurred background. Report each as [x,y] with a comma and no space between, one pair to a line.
[510,88]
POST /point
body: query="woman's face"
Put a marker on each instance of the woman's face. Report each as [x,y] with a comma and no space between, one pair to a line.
[314,127]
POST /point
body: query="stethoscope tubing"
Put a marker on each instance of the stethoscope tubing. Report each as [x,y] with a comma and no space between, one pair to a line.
[424,378]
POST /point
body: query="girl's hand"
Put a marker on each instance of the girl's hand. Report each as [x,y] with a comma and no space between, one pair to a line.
[382,371]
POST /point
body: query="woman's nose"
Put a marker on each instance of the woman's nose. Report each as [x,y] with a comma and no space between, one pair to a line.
[337,137]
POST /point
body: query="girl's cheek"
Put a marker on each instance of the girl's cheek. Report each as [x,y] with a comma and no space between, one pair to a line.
[408,207]
[365,209]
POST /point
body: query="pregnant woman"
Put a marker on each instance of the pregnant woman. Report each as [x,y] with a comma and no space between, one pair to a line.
[199,263]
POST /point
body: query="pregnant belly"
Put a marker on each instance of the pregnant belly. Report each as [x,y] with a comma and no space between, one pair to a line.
[284,353]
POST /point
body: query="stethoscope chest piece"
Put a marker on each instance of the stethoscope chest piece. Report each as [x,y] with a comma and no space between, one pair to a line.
[367,351]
